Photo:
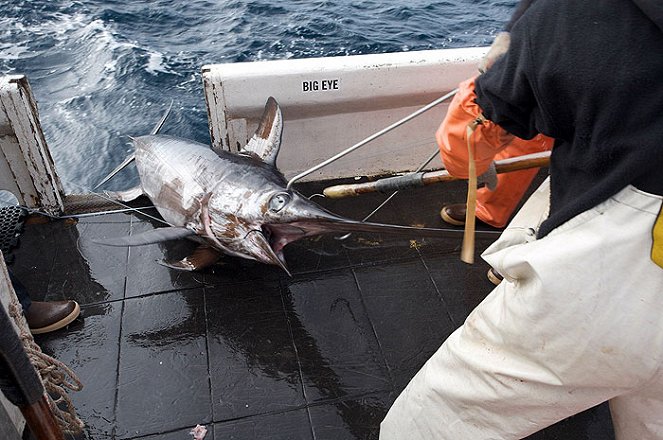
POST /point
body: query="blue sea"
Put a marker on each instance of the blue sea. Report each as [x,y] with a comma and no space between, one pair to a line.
[105,70]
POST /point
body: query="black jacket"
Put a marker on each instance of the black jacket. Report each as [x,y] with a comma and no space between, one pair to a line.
[522,6]
[590,75]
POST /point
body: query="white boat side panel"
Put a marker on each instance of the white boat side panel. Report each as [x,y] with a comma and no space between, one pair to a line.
[330,104]
[27,167]
[238,134]
[215,111]
[10,153]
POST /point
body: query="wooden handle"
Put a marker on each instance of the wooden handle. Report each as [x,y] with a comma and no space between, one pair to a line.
[41,421]
[341,191]
[525,162]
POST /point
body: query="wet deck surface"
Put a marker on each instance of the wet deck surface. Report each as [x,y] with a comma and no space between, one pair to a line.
[246,350]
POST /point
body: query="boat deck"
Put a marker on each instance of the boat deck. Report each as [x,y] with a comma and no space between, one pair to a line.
[247,350]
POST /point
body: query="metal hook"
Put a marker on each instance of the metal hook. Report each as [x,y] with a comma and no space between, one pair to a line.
[371,137]
[421,167]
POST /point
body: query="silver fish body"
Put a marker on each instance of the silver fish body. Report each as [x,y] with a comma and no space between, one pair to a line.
[237,204]
[184,178]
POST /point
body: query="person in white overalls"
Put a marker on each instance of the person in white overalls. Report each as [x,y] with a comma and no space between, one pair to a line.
[578,319]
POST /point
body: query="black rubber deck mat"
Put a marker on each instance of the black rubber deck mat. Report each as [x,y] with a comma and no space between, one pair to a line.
[11,225]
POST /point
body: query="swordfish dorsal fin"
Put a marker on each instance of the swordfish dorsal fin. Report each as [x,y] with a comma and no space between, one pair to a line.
[266,141]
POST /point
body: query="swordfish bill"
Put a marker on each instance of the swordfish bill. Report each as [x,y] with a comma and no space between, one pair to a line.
[235,204]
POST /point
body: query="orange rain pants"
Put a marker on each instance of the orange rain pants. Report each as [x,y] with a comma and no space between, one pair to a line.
[491,142]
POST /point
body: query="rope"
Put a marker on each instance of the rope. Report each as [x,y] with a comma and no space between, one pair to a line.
[55,375]
[467,249]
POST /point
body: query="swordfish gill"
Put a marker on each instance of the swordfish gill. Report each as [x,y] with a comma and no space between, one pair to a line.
[235,204]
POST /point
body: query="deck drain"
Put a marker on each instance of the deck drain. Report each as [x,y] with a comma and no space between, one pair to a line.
[11,223]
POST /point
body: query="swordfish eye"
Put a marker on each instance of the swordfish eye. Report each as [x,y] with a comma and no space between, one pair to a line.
[278,201]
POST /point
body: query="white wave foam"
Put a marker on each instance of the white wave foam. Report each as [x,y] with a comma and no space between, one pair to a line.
[13,51]
[155,64]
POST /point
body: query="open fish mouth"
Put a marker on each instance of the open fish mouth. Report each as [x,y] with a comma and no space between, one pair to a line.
[280,234]
[257,243]
[266,244]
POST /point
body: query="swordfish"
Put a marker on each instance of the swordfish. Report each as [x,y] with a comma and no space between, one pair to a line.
[234,204]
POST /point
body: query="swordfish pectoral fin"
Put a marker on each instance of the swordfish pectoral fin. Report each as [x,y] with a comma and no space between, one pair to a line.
[149,237]
[204,256]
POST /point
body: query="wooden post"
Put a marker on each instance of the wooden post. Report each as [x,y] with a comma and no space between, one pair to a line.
[26,166]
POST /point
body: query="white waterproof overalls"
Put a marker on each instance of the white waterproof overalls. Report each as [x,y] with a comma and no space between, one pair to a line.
[577,321]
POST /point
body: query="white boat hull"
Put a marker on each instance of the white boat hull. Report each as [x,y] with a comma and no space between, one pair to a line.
[330,104]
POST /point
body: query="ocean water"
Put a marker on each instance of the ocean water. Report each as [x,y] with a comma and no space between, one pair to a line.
[105,70]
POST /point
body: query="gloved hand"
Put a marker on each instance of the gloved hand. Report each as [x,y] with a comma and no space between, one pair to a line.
[489,178]
[497,49]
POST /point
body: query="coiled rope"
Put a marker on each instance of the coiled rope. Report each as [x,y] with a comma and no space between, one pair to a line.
[55,376]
